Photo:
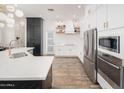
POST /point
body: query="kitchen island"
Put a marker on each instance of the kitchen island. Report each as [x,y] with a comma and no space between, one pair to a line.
[29,72]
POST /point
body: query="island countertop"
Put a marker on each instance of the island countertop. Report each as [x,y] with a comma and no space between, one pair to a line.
[25,68]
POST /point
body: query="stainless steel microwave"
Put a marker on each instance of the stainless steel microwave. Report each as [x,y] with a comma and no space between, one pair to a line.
[111,43]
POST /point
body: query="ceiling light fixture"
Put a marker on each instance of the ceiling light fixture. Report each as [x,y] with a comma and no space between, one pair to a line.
[10,21]
[10,8]
[2,8]
[19,13]
[10,25]
[2,16]
[10,15]
[7,14]
[2,25]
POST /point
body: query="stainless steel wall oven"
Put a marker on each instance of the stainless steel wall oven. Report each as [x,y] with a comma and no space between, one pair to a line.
[111,69]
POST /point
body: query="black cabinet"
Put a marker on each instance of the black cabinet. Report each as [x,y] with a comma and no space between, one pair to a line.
[35,35]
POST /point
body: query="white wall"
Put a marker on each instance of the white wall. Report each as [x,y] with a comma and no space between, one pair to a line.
[8,34]
[20,31]
[63,40]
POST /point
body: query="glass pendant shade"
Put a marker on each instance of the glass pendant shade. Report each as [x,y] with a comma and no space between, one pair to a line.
[19,13]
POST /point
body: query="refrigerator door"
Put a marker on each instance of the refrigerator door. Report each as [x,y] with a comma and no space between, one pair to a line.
[89,67]
[92,45]
[90,54]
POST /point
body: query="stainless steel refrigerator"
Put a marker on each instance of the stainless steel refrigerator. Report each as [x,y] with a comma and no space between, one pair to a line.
[90,54]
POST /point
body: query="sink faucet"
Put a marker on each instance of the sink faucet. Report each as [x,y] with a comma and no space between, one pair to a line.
[17,38]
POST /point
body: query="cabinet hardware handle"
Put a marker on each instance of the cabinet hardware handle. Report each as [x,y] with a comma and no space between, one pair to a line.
[109,63]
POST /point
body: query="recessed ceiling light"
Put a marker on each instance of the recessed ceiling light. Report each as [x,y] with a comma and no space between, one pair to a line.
[50,9]
[79,6]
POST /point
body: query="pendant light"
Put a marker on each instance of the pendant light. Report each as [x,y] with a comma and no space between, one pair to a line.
[2,25]
[10,8]
[19,13]
[2,16]
[10,15]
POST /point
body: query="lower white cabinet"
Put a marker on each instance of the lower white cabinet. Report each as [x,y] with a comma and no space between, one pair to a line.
[104,84]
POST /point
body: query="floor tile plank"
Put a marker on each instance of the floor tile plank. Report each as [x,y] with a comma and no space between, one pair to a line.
[68,73]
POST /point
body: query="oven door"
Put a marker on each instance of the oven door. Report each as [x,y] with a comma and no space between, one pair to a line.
[110,72]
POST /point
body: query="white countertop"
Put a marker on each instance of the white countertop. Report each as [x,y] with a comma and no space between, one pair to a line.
[25,68]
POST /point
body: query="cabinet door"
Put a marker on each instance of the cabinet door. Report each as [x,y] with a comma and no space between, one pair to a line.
[93,20]
[115,15]
[101,17]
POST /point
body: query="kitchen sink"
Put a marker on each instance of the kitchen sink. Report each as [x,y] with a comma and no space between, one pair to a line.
[18,55]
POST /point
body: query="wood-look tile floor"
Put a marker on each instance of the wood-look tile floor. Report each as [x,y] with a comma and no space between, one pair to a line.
[68,73]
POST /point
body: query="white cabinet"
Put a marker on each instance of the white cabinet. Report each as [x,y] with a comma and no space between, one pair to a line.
[102,17]
[115,15]
[90,17]
[93,20]
[110,16]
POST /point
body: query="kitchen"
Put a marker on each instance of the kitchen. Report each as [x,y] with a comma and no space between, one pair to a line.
[58,46]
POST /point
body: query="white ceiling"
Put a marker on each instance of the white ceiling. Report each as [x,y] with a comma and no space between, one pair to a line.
[61,11]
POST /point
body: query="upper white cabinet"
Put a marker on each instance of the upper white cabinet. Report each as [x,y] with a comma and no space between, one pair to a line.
[115,15]
[110,16]
[90,16]
[101,17]
[104,16]
[93,20]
